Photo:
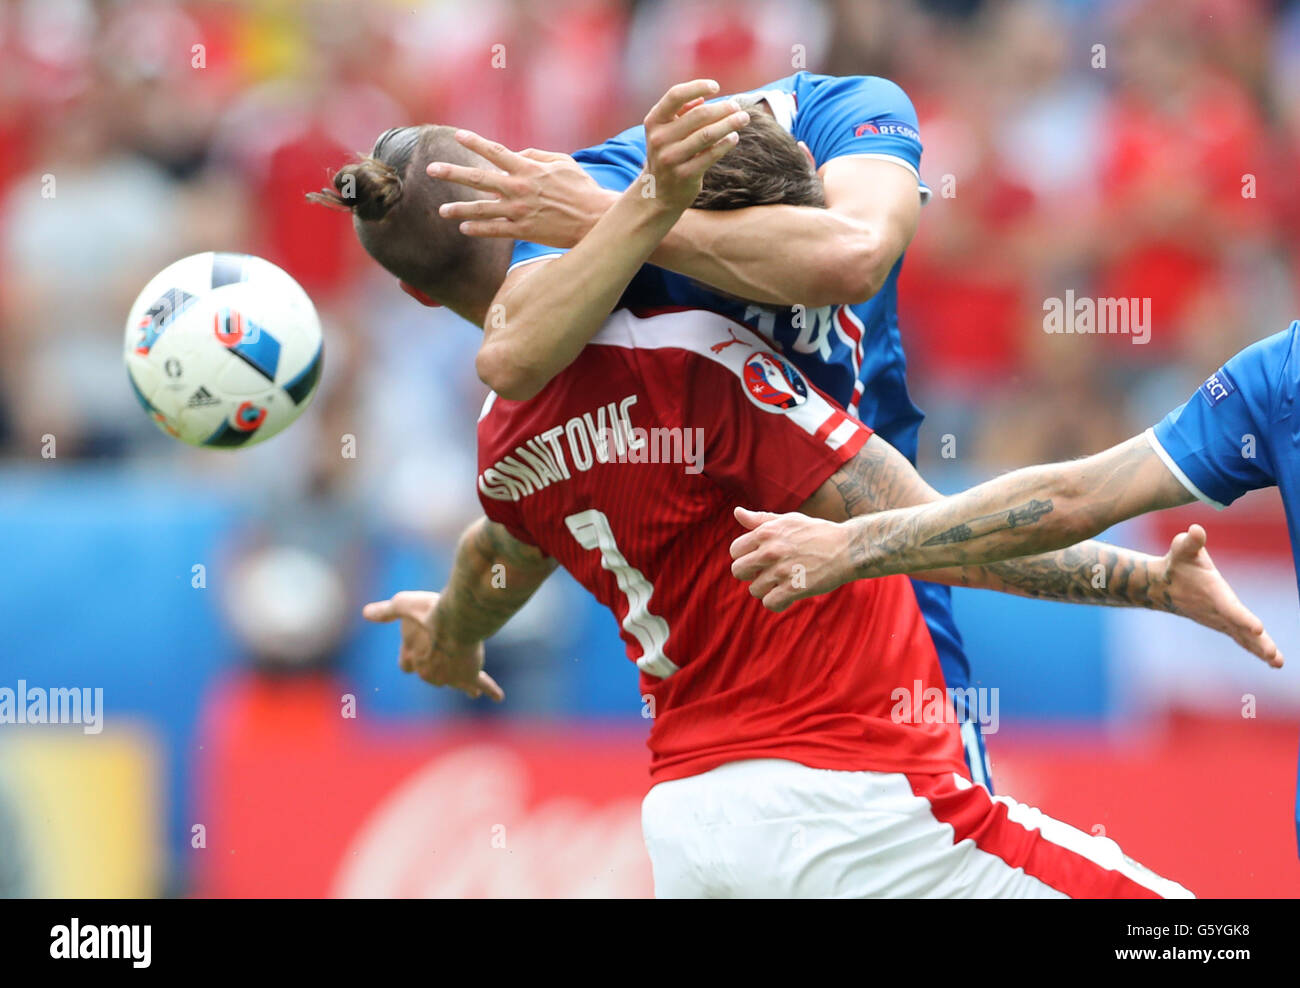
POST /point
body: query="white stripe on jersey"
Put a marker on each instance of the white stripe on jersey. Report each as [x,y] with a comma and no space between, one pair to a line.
[1100,850]
[856,347]
[842,433]
[730,344]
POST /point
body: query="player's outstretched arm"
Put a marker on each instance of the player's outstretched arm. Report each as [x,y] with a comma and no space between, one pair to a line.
[545,313]
[1033,510]
[493,575]
[876,517]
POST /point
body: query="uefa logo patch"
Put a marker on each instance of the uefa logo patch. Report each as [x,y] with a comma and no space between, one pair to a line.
[888,128]
[1217,387]
[773,383]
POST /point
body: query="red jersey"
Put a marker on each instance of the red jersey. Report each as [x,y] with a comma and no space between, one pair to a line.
[625,469]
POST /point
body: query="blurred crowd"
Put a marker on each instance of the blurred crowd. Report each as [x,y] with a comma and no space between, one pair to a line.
[1126,148]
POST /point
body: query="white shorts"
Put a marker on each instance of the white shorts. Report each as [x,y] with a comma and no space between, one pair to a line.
[769,828]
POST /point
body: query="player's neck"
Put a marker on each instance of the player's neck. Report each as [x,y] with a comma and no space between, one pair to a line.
[470,293]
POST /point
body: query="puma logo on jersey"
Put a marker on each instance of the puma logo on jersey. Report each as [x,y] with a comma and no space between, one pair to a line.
[719,347]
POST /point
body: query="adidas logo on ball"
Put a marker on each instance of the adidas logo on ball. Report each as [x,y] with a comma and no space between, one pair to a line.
[203,397]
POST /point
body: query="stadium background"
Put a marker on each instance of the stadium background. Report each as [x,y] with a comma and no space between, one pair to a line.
[214,598]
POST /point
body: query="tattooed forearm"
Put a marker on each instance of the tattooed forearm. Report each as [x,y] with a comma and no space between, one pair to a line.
[905,541]
[1010,533]
[1025,514]
[1088,573]
[494,574]
[1029,511]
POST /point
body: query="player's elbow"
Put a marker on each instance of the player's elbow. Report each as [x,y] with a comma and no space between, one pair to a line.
[856,270]
[502,371]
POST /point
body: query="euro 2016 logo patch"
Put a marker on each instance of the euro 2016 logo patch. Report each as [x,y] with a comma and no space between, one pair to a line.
[773,383]
[1217,387]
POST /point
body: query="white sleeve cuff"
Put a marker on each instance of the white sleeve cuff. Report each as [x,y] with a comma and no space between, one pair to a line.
[901,162]
[1177,471]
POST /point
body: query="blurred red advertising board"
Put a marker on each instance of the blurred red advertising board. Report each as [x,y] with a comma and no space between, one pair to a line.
[299,801]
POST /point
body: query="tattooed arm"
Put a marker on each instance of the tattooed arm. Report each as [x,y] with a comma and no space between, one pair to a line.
[961,540]
[493,575]
[1034,510]
[893,522]
[480,597]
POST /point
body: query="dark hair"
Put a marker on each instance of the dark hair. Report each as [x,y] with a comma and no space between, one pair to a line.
[372,185]
[766,167]
[394,205]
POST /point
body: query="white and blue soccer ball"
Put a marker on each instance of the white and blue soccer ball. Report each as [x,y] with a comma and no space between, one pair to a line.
[223,349]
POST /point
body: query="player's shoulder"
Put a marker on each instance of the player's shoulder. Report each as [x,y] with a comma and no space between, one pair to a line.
[615,163]
[861,107]
[494,421]
[1267,372]
[628,143]
[693,331]
[1281,350]
[505,425]
[809,89]
[661,349]
[606,362]
[703,349]
[809,82]
[812,89]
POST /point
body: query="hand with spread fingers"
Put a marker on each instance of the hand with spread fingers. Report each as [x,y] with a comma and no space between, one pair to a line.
[539,196]
[684,136]
[424,652]
[548,198]
[1193,587]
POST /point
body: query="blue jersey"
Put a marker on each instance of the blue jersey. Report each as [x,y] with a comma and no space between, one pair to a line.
[852,352]
[1239,433]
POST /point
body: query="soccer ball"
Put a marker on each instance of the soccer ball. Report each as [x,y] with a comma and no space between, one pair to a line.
[223,349]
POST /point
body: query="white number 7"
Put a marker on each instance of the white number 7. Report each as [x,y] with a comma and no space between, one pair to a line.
[591,529]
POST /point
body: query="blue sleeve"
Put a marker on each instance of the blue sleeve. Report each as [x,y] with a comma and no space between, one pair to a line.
[1219,442]
[614,165]
[859,115]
